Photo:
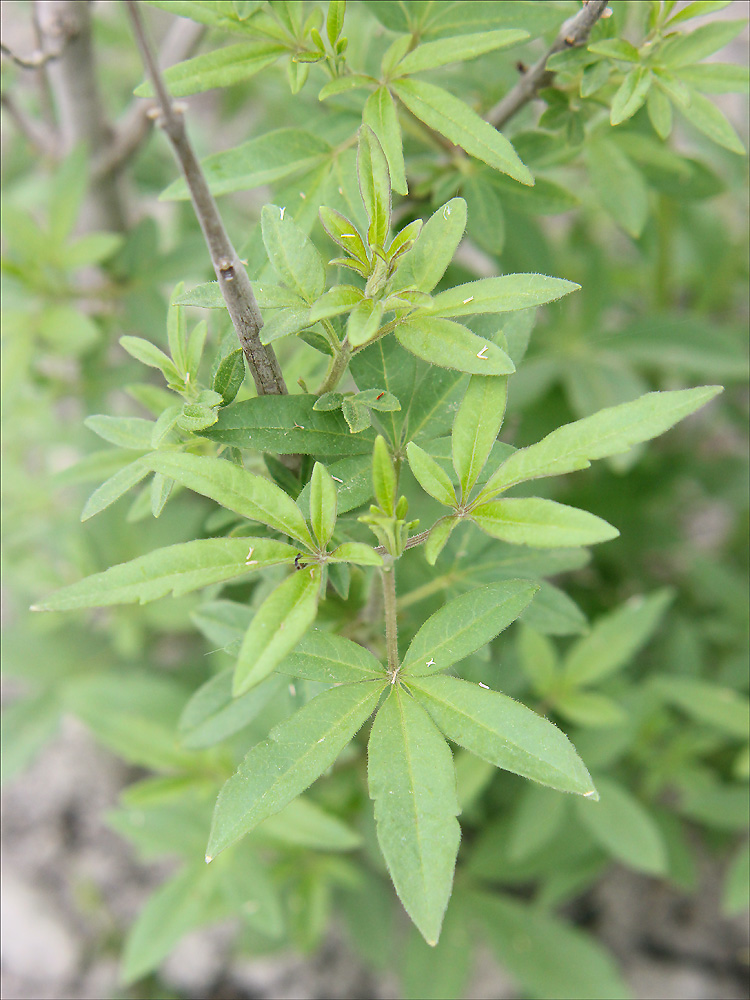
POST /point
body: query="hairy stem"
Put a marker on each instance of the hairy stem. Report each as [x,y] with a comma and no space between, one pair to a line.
[336,368]
[575,31]
[389,609]
[233,280]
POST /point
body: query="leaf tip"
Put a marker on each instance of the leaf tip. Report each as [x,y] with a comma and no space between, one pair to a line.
[208,859]
[592,794]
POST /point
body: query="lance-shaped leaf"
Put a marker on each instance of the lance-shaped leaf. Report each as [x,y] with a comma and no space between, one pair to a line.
[541,523]
[297,752]
[292,254]
[611,431]
[413,785]
[615,638]
[115,487]
[212,715]
[450,345]
[345,233]
[721,708]
[430,475]
[504,732]
[476,426]
[624,828]
[504,294]
[323,504]
[332,659]
[287,425]
[220,68]
[176,569]
[355,552]
[454,119]
[341,299]
[425,264]
[126,432]
[235,488]
[465,624]
[438,537]
[430,55]
[380,114]
[374,185]
[276,628]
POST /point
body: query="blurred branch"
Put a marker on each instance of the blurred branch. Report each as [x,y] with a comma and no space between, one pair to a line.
[135,124]
[575,31]
[35,60]
[233,280]
[39,136]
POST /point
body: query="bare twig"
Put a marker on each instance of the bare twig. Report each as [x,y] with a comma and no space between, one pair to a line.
[35,60]
[78,103]
[230,272]
[135,124]
[575,31]
[40,137]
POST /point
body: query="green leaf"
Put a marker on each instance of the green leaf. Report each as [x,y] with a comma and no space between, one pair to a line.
[538,659]
[67,193]
[504,732]
[486,221]
[292,254]
[430,475]
[413,785]
[176,569]
[614,639]
[611,431]
[263,160]
[555,960]
[302,823]
[230,375]
[220,68]
[697,9]
[355,552]
[618,184]
[148,354]
[707,118]
[450,345]
[297,752]
[342,84]
[692,46]
[331,659]
[380,115]
[425,264]
[660,112]
[454,119]
[27,725]
[464,625]
[476,427]
[535,821]
[213,715]
[624,828]
[287,425]
[384,479]
[616,48]
[115,487]
[277,626]
[126,432]
[507,293]
[717,78]
[335,19]
[341,299]
[544,198]
[345,233]
[439,535]
[374,185]
[631,95]
[441,972]
[736,895]
[323,504]
[93,248]
[234,488]
[364,321]
[430,55]
[721,708]
[589,708]
[541,523]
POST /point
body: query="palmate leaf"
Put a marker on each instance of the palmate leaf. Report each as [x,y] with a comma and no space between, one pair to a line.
[464,625]
[503,732]
[236,489]
[276,628]
[611,431]
[176,569]
[297,752]
[413,785]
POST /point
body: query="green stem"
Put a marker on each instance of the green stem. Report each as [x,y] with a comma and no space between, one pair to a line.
[389,609]
[336,368]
